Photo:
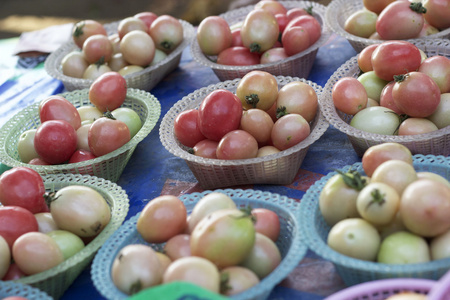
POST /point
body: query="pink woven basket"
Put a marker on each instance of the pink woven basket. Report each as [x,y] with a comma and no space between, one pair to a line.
[441,290]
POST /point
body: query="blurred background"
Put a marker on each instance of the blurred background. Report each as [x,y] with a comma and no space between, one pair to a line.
[17,16]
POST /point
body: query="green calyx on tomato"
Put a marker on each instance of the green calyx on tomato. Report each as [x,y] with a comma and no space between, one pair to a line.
[309,10]
[224,282]
[377,198]
[79,29]
[418,7]
[281,111]
[353,179]
[167,45]
[255,47]
[252,100]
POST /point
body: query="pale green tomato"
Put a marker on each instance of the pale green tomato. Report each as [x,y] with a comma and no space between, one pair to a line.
[25,146]
[355,237]
[159,56]
[69,243]
[373,84]
[130,118]
[82,136]
[89,113]
[45,222]
[130,69]
[5,257]
[371,102]
[441,116]
[433,176]
[395,173]
[361,23]
[376,119]
[440,246]
[403,247]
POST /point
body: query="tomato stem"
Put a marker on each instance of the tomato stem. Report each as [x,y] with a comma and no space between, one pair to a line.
[166,45]
[100,62]
[353,179]
[418,7]
[252,100]
[377,198]
[49,197]
[400,78]
[281,111]
[108,114]
[309,10]
[79,29]
[224,282]
[255,47]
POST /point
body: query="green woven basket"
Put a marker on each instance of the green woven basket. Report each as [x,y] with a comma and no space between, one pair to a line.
[56,280]
[109,166]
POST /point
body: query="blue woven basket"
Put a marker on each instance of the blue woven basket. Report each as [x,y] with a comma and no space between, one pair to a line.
[12,288]
[289,242]
[354,271]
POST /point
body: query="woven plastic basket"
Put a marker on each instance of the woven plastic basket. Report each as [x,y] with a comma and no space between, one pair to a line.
[109,166]
[289,242]
[11,288]
[279,168]
[56,280]
[441,290]
[354,271]
[298,65]
[383,288]
[145,79]
[437,142]
[337,13]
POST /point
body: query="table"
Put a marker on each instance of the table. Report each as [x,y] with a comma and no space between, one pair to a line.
[153,171]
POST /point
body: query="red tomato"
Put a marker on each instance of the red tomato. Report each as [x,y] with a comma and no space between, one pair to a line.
[364,58]
[13,273]
[297,12]
[282,21]
[84,29]
[273,55]
[106,135]
[289,130]
[81,155]
[438,12]
[55,141]
[376,6]
[267,222]
[438,68]
[59,108]
[15,221]
[38,162]
[206,148]
[238,56]
[108,91]
[147,17]
[24,187]
[186,128]
[219,113]
[237,144]
[214,35]
[295,39]
[395,57]
[386,98]
[97,48]
[349,95]
[416,94]
[310,24]
[236,39]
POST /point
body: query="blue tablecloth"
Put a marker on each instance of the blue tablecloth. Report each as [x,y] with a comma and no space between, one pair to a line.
[153,171]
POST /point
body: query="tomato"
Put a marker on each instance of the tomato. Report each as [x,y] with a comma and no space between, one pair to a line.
[299,98]
[295,39]
[439,246]
[81,210]
[377,154]
[260,30]
[25,146]
[396,173]
[108,91]
[45,222]
[400,20]
[258,123]
[412,126]
[38,162]
[82,137]
[257,89]
[178,246]
[225,237]
[89,113]
[81,155]
[237,280]
[93,71]
[438,68]
[376,119]
[162,218]
[386,99]
[376,5]
[372,84]
[289,130]
[214,35]
[35,252]
[425,207]
[273,55]
[441,116]
[266,150]
[236,39]
[238,56]
[138,48]
[361,23]
[403,247]
[68,242]
[147,17]
[130,118]
[59,108]
[5,257]
[206,148]
[129,24]
[74,64]
[15,221]
[416,94]
[267,222]
[237,144]
[207,204]
[349,95]
[97,48]
[272,6]
[196,270]
[310,24]
[55,141]
[14,272]
[164,261]
[355,237]
[282,21]
[186,128]
[364,58]
[159,56]
[117,62]
[84,29]
[24,187]
[294,12]
[106,135]
[130,69]
[136,263]
[167,33]
[219,113]
[437,13]
[395,57]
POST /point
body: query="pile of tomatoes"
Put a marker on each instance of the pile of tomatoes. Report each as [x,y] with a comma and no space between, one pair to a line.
[38,229]
[140,41]
[269,33]
[258,120]
[398,20]
[393,214]
[218,246]
[68,134]
[400,90]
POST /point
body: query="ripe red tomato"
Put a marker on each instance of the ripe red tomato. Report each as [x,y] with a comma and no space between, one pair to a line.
[289,130]
[106,135]
[81,155]
[206,148]
[108,91]
[295,39]
[219,113]
[310,24]
[237,144]
[97,48]
[55,141]
[24,187]
[15,221]
[147,17]
[349,95]
[438,12]
[186,128]
[59,108]
[386,98]
[364,58]
[238,56]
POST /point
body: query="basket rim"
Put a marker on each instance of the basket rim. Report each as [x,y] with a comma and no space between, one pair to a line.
[117,218]
[316,244]
[52,64]
[231,16]
[145,98]
[21,289]
[351,66]
[169,139]
[331,19]
[294,254]
[441,288]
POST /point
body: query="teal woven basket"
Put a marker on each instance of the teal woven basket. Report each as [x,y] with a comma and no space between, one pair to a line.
[11,288]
